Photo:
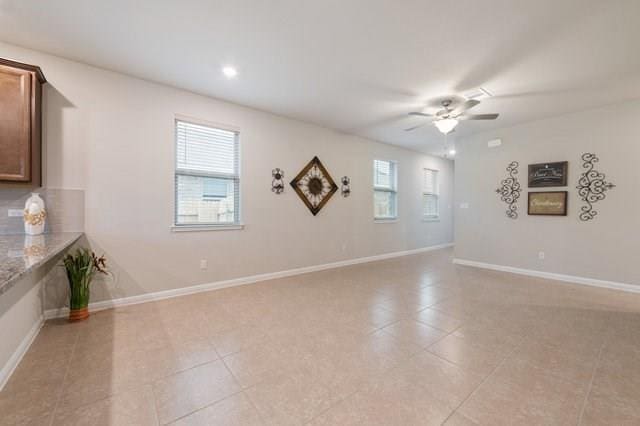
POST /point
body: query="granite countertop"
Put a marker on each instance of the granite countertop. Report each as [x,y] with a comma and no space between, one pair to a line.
[20,254]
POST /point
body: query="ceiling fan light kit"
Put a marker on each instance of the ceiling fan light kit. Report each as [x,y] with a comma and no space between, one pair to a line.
[446,125]
[448,117]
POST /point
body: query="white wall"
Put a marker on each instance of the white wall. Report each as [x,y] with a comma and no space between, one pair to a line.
[113,136]
[605,248]
[20,318]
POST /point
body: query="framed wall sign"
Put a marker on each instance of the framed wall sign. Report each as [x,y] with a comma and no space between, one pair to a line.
[548,174]
[548,203]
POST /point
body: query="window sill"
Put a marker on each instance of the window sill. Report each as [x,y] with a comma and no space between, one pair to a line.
[204,228]
[383,220]
[431,219]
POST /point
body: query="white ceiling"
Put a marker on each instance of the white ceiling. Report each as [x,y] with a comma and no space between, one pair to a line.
[356,65]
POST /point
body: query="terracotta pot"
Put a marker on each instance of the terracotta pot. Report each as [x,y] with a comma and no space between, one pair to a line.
[78,314]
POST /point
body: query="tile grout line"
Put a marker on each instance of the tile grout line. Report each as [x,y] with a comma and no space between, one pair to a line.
[155,402]
[483,382]
[151,383]
[426,349]
[593,375]
[205,407]
[390,369]
[242,390]
[253,404]
[344,398]
[64,379]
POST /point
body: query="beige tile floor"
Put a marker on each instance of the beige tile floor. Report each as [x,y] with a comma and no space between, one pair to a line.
[412,340]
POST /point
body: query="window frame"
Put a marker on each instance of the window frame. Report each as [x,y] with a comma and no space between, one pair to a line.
[236,177]
[393,190]
[435,193]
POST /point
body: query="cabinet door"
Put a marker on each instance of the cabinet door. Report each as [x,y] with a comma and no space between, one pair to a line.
[15,124]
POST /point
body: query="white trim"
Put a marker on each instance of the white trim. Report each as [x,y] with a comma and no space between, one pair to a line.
[194,228]
[385,220]
[612,285]
[19,353]
[431,219]
[202,122]
[167,294]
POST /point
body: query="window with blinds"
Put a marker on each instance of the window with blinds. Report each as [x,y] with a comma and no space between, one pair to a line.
[207,179]
[430,192]
[384,189]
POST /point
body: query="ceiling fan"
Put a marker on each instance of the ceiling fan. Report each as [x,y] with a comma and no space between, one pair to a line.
[447,118]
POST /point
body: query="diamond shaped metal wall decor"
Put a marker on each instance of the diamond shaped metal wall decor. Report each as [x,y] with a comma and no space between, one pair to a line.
[314,185]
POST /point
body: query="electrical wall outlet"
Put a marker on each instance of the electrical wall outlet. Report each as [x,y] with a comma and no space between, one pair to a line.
[15,212]
[203,264]
[541,255]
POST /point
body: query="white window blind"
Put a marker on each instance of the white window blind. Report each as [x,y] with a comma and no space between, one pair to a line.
[430,194]
[207,175]
[384,189]
[430,181]
[430,206]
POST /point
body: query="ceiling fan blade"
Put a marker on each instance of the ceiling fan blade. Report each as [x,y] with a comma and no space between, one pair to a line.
[464,106]
[420,114]
[478,117]
[416,127]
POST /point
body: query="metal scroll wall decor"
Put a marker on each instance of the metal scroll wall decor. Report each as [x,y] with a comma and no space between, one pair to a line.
[592,186]
[345,189]
[277,184]
[509,190]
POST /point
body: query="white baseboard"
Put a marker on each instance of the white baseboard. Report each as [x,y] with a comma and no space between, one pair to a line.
[148,297]
[19,353]
[552,276]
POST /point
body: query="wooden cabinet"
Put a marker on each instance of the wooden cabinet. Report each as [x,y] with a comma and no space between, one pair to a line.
[20,124]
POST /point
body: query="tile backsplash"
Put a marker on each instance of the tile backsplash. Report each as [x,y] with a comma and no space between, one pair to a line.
[65,209]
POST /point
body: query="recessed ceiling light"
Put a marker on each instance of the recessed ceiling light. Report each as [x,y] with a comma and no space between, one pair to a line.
[452,152]
[230,72]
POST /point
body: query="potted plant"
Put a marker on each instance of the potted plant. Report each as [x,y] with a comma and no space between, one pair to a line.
[81,267]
